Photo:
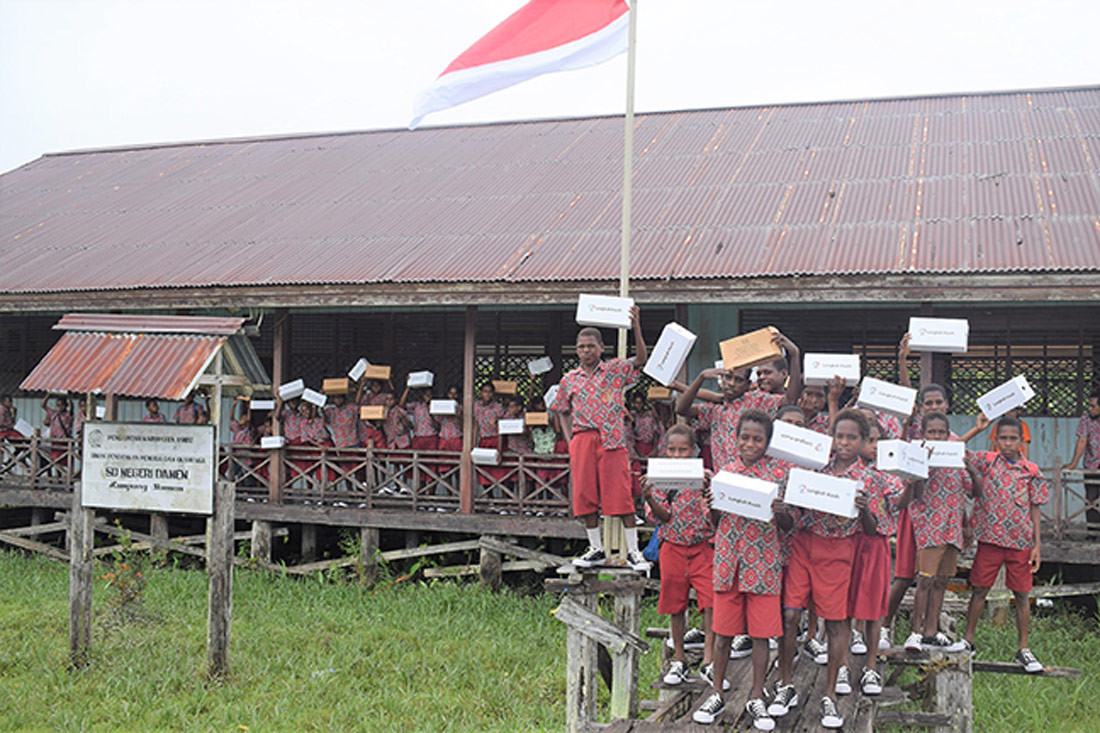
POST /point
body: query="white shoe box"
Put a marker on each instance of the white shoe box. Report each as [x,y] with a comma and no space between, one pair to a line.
[604,311]
[829,494]
[675,473]
[818,370]
[668,356]
[902,459]
[945,335]
[803,447]
[887,397]
[1010,395]
[744,496]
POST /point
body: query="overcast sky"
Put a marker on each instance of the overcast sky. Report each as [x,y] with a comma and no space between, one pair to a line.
[97,73]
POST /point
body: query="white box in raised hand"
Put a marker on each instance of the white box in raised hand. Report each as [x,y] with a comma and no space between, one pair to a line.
[358,370]
[443,407]
[670,353]
[818,370]
[675,473]
[421,379]
[261,405]
[550,395]
[1010,395]
[24,428]
[946,453]
[485,456]
[945,335]
[604,311]
[887,397]
[290,390]
[314,398]
[802,447]
[743,495]
[272,441]
[902,459]
[509,426]
[540,365]
[828,494]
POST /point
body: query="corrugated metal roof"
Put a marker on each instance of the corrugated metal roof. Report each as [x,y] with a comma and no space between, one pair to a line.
[991,182]
[125,323]
[130,364]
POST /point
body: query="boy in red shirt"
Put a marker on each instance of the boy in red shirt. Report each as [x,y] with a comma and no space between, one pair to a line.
[590,406]
[687,557]
[1006,526]
[748,573]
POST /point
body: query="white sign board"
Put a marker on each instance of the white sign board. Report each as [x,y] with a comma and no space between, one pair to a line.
[149,467]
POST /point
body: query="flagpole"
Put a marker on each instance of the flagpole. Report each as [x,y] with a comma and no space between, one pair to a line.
[628,169]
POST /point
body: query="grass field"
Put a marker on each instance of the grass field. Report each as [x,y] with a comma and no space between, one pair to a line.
[320,655]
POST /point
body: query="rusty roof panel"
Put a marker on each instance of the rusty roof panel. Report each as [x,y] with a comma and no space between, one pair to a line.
[967,182]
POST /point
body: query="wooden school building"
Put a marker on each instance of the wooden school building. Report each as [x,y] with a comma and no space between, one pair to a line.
[462,250]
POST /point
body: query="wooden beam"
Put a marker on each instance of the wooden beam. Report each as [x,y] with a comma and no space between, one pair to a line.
[455,571]
[507,548]
[489,569]
[81,572]
[912,719]
[1067,673]
[33,546]
[597,628]
[466,467]
[280,364]
[37,529]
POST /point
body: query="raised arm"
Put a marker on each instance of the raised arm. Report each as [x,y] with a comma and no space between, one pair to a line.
[684,403]
[980,424]
[706,395]
[641,353]
[794,363]
[833,391]
[903,362]
[404,396]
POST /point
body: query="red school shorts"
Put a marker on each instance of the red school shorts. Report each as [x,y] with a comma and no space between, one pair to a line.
[759,616]
[601,477]
[684,567]
[988,560]
[821,569]
[869,590]
[905,566]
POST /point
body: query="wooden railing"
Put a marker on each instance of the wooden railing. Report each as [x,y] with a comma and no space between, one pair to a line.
[39,463]
[1073,514]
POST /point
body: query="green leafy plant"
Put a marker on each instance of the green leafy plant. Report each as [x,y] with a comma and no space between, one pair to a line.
[126,575]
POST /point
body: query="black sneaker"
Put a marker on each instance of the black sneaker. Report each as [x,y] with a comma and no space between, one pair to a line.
[785,698]
[830,716]
[590,558]
[1027,660]
[870,682]
[969,647]
[939,642]
[759,712]
[694,639]
[677,673]
[741,646]
[637,562]
[706,672]
[709,711]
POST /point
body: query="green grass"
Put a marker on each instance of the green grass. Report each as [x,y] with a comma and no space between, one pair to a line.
[407,657]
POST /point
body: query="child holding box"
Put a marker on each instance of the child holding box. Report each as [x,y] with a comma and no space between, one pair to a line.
[1006,525]
[425,429]
[687,558]
[821,566]
[590,407]
[487,413]
[748,572]
[450,426]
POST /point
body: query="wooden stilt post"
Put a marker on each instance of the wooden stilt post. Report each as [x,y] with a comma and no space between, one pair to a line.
[261,541]
[279,367]
[489,569]
[158,530]
[368,543]
[309,542]
[624,665]
[952,695]
[80,579]
[219,565]
[466,467]
[614,540]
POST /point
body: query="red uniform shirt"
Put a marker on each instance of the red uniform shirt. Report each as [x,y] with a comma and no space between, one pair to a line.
[891,426]
[748,553]
[1089,429]
[596,402]
[292,426]
[343,421]
[312,430]
[885,507]
[396,428]
[646,429]
[7,417]
[61,423]
[1002,513]
[819,423]
[158,418]
[373,399]
[450,427]
[242,434]
[486,416]
[937,516]
[721,420]
[690,520]
[423,423]
[824,524]
[520,443]
[188,414]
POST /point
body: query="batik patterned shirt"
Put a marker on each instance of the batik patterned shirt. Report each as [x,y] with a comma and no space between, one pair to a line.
[885,505]
[819,423]
[188,414]
[1089,429]
[311,430]
[689,523]
[7,417]
[646,429]
[749,554]
[937,516]
[396,428]
[60,422]
[151,418]
[486,416]
[1002,514]
[423,423]
[450,427]
[343,421]
[720,419]
[824,524]
[596,402]
[242,434]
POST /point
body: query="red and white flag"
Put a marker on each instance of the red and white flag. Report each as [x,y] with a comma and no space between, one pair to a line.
[540,37]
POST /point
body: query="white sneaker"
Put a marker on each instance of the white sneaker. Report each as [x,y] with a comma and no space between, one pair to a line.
[590,558]
[693,639]
[885,638]
[740,647]
[859,645]
[773,643]
[709,711]
[637,562]
[676,674]
[759,712]
[1027,660]
[870,682]
[817,651]
[843,681]
[913,642]
[706,672]
[785,698]
[830,716]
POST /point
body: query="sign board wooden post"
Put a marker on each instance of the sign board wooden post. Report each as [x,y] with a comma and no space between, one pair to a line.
[219,565]
[81,566]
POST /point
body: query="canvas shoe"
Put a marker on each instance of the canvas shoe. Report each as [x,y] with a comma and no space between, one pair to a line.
[859,644]
[709,711]
[707,673]
[677,673]
[969,647]
[1027,660]
[870,682]
[885,638]
[693,639]
[816,651]
[773,643]
[913,642]
[637,562]
[830,716]
[938,642]
[590,558]
[843,681]
[759,712]
[740,647]
[785,698]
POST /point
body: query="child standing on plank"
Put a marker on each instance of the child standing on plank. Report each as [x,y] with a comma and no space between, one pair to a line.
[342,419]
[590,406]
[687,558]
[153,413]
[188,413]
[821,566]
[1006,526]
[748,573]
[937,507]
[519,443]
[59,422]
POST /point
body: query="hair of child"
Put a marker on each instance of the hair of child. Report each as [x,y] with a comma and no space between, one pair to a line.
[1093,395]
[787,410]
[683,431]
[858,418]
[933,387]
[781,364]
[150,402]
[590,331]
[936,416]
[1008,422]
[759,417]
[515,400]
